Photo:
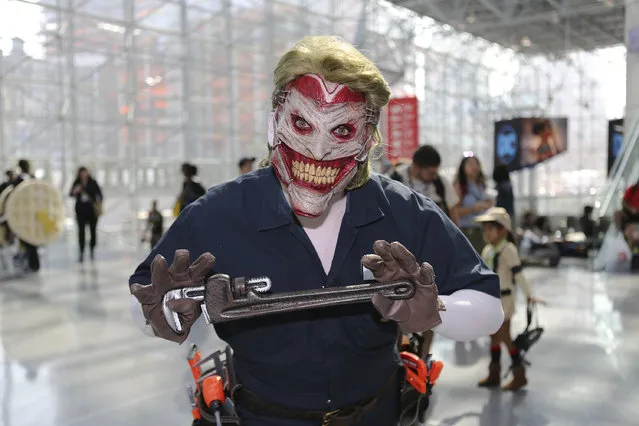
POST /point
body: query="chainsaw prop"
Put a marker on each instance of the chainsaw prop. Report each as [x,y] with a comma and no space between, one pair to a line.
[225,299]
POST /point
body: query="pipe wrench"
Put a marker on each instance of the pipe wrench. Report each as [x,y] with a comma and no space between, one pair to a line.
[225,299]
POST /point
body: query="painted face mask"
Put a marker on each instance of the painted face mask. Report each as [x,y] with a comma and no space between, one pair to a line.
[320,133]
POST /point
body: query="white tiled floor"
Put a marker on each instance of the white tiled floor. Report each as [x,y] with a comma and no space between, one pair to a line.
[71,355]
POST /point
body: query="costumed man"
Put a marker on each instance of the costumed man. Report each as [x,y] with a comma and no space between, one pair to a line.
[315,216]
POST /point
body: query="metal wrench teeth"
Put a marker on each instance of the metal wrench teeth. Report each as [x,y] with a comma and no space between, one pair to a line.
[259,284]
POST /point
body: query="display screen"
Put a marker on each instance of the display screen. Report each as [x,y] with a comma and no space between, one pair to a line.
[526,142]
[615,141]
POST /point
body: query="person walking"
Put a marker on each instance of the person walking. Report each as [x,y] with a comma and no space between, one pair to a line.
[88,208]
[505,194]
[29,250]
[154,226]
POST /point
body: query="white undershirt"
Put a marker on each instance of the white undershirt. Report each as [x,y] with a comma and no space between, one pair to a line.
[323,231]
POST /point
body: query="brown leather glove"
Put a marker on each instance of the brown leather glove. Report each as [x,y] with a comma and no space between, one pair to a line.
[181,274]
[394,262]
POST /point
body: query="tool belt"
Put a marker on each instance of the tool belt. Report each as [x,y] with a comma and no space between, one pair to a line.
[345,416]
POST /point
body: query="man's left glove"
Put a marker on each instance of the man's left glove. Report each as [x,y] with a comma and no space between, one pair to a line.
[393,261]
[163,279]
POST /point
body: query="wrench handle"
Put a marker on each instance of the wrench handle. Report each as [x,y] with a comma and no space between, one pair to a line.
[255,305]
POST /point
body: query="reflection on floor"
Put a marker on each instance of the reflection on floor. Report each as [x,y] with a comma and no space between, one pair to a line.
[71,355]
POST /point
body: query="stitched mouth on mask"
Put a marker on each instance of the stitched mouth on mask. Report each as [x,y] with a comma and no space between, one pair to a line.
[317,175]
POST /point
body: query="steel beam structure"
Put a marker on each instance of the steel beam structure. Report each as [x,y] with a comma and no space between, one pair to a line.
[132,93]
[588,10]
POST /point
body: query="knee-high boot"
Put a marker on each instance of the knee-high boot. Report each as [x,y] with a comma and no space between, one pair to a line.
[494,369]
[519,373]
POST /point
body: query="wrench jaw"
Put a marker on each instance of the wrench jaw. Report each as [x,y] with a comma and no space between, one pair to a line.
[172,318]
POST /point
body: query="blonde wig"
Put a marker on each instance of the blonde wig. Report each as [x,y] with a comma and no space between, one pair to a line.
[338,62]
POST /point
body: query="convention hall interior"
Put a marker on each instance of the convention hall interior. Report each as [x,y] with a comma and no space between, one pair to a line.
[132,128]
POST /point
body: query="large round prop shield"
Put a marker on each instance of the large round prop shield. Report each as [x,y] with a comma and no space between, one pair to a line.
[35,212]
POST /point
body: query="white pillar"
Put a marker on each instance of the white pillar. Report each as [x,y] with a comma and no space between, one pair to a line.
[632,74]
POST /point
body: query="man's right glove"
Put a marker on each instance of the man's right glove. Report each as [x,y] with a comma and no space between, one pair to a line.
[163,279]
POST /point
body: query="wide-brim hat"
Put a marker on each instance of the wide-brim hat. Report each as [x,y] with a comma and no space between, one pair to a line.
[498,215]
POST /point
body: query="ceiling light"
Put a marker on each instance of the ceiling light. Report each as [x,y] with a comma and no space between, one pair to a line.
[111,27]
[525,41]
[470,19]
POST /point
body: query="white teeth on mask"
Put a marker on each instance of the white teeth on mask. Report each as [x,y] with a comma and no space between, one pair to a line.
[312,174]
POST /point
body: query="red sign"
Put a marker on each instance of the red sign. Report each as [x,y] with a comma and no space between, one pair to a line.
[403,128]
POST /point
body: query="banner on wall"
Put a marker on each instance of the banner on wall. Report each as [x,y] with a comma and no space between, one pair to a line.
[403,127]
[525,142]
[615,141]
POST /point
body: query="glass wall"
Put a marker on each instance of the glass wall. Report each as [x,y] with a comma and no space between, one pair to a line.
[132,88]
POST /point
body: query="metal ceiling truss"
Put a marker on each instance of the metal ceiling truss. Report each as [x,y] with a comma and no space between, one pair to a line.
[580,24]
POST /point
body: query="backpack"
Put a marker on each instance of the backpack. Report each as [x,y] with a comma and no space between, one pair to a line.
[440,189]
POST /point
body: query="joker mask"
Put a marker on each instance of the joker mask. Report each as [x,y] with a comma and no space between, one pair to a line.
[321,132]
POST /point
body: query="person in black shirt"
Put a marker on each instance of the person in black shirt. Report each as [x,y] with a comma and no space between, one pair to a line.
[31,251]
[245,165]
[11,177]
[88,204]
[191,188]
[586,223]
[505,196]
[155,225]
[5,232]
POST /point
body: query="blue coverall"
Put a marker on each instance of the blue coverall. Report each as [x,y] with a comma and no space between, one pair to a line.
[329,358]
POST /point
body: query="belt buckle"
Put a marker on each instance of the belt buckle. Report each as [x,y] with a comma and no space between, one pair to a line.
[326,420]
